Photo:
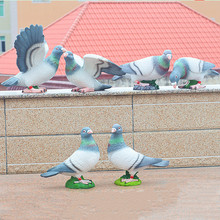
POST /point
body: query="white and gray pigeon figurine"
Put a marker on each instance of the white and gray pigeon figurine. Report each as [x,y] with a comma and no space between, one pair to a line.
[192,69]
[83,72]
[124,157]
[145,72]
[81,161]
[34,68]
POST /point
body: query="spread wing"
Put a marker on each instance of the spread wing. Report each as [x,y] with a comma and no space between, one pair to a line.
[95,65]
[31,47]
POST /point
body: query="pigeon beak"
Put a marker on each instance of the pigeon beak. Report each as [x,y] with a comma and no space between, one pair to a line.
[89,132]
[169,56]
[63,49]
[65,54]
[174,85]
[113,130]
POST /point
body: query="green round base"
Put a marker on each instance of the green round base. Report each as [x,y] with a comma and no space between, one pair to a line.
[119,183]
[71,185]
[189,84]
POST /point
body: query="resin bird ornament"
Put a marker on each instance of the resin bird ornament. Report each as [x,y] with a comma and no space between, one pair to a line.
[124,157]
[83,72]
[146,71]
[34,68]
[192,69]
[80,162]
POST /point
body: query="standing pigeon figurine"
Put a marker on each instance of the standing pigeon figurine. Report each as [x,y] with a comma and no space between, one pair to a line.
[83,72]
[34,69]
[192,69]
[80,162]
[127,159]
[146,71]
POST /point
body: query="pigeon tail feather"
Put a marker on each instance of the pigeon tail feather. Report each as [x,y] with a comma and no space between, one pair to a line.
[146,161]
[213,73]
[49,174]
[61,168]
[13,81]
[114,78]
[103,87]
[163,163]
[24,41]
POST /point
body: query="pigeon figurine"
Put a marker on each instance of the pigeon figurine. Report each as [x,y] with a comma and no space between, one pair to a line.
[146,71]
[34,69]
[192,69]
[124,157]
[80,162]
[83,72]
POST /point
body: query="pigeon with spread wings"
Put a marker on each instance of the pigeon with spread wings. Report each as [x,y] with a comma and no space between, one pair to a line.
[34,68]
[83,72]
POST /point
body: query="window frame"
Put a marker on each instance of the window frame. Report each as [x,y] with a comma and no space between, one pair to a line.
[2,41]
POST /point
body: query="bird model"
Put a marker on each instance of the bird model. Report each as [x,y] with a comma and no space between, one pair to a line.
[83,72]
[124,157]
[192,69]
[34,68]
[146,71]
[80,162]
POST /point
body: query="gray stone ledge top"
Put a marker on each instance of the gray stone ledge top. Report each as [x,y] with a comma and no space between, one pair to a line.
[112,91]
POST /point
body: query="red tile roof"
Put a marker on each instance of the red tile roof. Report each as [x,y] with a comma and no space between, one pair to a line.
[127,31]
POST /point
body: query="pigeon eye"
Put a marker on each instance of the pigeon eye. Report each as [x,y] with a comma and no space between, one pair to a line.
[84,131]
[119,128]
[176,76]
[57,48]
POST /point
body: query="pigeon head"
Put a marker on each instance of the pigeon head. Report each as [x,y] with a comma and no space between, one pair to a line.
[86,132]
[180,70]
[175,77]
[58,51]
[167,54]
[68,56]
[117,129]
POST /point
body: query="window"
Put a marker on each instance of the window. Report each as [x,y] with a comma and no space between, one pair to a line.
[1,8]
[41,1]
[2,44]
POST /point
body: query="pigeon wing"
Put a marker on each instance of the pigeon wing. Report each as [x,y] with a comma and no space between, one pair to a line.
[207,66]
[95,65]
[31,47]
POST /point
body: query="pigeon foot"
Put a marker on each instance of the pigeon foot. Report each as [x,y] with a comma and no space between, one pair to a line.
[84,90]
[79,183]
[76,89]
[141,84]
[32,90]
[129,180]
[197,86]
[146,85]
[83,181]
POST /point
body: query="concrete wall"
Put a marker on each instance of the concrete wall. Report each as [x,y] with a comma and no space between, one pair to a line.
[39,131]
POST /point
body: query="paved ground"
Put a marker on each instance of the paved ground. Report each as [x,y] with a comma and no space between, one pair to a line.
[183,194]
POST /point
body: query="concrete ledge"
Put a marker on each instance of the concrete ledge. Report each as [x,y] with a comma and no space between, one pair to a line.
[37,131]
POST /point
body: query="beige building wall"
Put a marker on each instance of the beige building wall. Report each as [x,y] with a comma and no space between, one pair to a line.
[8,23]
[47,13]
[43,13]
[210,9]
